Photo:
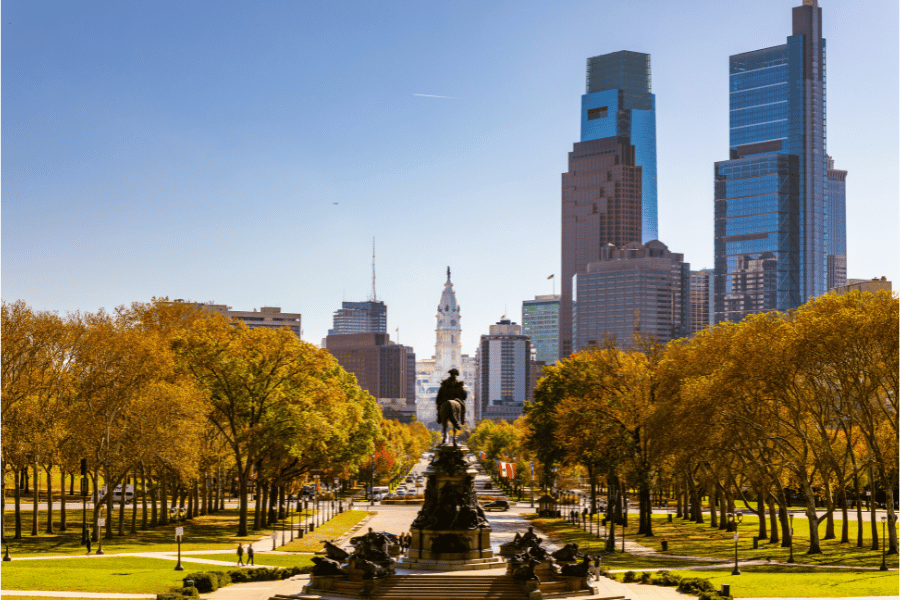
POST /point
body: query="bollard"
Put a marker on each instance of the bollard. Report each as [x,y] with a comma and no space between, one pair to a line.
[726,589]
[670,517]
[665,545]
[188,583]
[755,543]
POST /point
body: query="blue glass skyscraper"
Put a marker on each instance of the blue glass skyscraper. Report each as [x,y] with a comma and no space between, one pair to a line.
[771,211]
[618,103]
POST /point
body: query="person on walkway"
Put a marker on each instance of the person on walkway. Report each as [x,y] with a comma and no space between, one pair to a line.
[240,553]
[250,554]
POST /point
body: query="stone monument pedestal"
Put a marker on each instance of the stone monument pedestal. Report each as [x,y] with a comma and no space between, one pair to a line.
[450,532]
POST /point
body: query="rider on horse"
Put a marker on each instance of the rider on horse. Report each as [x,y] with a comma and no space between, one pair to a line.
[451,389]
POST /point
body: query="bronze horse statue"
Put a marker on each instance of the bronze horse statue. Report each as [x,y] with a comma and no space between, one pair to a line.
[452,412]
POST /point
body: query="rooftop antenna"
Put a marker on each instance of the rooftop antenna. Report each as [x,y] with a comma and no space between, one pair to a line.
[374,296]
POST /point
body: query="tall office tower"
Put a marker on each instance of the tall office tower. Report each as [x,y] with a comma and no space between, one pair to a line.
[836,214]
[701,300]
[618,103]
[447,355]
[635,289]
[360,317]
[772,225]
[540,322]
[601,204]
[503,372]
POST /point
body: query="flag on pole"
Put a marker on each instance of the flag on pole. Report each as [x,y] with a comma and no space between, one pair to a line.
[510,470]
[483,456]
[532,470]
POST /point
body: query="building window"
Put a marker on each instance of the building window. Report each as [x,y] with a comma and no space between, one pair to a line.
[597,113]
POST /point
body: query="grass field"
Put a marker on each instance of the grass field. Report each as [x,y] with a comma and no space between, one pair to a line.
[788,582]
[208,532]
[686,538]
[95,574]
[336,527]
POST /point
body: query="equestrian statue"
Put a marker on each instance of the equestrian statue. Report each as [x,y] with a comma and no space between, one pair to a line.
[451,405]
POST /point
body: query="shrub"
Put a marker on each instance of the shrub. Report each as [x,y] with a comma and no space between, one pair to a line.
[204,582]
[169,596]
[238,576]
[666,579]
[190,592]
[224,578]
[629,577]
[645,577]
[695,585]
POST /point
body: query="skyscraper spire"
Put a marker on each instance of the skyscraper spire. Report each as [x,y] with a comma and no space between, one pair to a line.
[374,295]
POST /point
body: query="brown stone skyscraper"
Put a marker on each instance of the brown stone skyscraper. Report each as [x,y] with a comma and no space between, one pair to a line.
[601,204]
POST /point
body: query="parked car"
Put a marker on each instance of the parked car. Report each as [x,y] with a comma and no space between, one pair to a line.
[117,493]
[497,505]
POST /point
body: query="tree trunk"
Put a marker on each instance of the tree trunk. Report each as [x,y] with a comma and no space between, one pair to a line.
[134,506]
[35,498]
[258,517]
[874,520]
[242,501]
[264,512]
[204,499]
[95,513]
[62,499]
[612,501]
[723,509]
[281,514]
[17,494]
[713,519]
[163,502]
[110,486]
[678,511]
[196,498]
[122,505]
[814,545]
[860,541]
[47,469]
[143,498]
[154,518]
[189,491]
[829,518]
[71,484]
[773,518]
[761,513]
[845,525]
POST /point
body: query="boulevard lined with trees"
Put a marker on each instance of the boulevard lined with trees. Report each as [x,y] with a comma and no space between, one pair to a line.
[780,408]
[185,404]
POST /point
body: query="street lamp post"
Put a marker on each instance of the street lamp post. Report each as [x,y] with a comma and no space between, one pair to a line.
[883,566]
[292,517]
[791,533]
[179,531]
[736,520]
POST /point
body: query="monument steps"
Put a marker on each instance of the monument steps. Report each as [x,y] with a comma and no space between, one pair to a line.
[461,587]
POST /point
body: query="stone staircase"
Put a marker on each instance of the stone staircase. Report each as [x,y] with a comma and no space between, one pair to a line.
[461,587]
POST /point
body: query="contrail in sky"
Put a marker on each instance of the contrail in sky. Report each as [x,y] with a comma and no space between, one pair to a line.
[433,96]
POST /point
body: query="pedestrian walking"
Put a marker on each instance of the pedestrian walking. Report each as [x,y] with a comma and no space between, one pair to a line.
[240,553]
[250,554]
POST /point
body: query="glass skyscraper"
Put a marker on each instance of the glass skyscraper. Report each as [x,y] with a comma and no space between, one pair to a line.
[540,322]
[618,103]
[772,226]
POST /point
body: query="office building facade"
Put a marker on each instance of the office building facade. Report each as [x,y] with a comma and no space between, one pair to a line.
[503,372]
[540,322]
[837,226]
[269,317]
[701,300]
[360,317]
[773,223]
[636,289]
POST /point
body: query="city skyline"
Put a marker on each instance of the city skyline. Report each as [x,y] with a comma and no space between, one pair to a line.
[248,155]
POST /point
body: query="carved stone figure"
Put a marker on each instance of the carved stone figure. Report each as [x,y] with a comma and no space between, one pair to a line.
[370,569]
[326,567]
[334,552]
[525,572]
[568,553]
[373,546]
[578,569]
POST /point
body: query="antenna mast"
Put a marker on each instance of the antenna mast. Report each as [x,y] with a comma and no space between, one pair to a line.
[374,296]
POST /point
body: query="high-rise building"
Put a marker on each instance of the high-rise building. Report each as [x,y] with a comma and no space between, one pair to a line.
[618,103]
[701,300]
[601,204]
[639,289]
[447,355]
[540,322]
[360,317]
[380,367]
[836,215]
[269,317]
[774,228]
[503,372]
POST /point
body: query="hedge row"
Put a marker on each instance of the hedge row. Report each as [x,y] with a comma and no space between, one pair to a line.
[210,581]
[687,585]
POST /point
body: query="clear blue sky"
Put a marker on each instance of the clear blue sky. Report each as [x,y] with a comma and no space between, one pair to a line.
[196,149]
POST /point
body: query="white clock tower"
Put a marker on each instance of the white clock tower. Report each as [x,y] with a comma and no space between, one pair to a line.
[448,346]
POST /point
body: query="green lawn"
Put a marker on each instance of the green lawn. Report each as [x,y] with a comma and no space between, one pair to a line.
[686,538]
[208,532]
[95,574]
[262,559]
[800,582]
[336,527]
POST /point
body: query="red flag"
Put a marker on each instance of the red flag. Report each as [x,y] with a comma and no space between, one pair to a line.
[483,456]
[511,470]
